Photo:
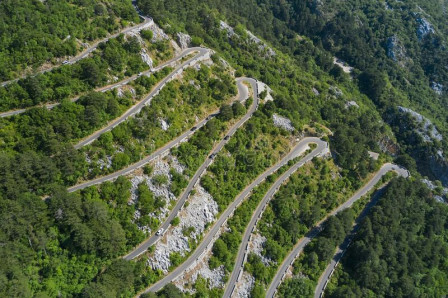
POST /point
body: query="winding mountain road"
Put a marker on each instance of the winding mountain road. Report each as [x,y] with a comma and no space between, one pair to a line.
[210,236]
[243,252]
[288,261]
[242,95]
[173,143]
[87,50]
[184,53]
[326,275]
[203,54]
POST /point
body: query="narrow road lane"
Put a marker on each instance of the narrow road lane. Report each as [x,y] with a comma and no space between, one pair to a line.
[314,231]
[243,251]
[86,51]
[203,54]
[183,54]
[326,275]
[210,236]
[242,95]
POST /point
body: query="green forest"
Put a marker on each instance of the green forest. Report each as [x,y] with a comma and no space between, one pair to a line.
[36,32]
[400,249]
[356,32]
[70,244]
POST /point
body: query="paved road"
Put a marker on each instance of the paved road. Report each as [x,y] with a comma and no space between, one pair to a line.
[314,231]
[88,50]
[242,95]
[211,235]
[326,275]
[243,252]
[135,109]
[173,143]
[183,54]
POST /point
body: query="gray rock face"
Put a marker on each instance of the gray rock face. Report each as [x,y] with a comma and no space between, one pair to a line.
[437,87]
[424,28]
[395,50]
[351,103]
[428,131]
[184,40]
[224,26]
[442,198]
[282,122]
[333,90]
[261,45]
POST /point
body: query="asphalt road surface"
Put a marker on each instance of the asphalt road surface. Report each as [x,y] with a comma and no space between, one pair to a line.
[314,231]
[210,236]
[86,51]
[184,53]
[242,253]
[154,155]
[203,52]
[242,95]
[326,275]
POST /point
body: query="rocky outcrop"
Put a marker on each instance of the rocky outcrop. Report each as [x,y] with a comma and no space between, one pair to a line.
[437,88]
[201,211]
[269,52]
[427,130]
[351,103]
[183,40]
[224,26]
[282,122]
[335,91]
[395,49]
[423,28]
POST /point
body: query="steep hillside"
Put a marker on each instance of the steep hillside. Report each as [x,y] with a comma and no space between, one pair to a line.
[36,32]
[398,50]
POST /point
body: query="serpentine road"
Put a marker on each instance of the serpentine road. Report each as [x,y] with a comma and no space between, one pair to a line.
[326,275]
[203,54]
[242,95]
[184,53]
[88,50]
[243,252]
[173,143]
[210,236]
[316,230]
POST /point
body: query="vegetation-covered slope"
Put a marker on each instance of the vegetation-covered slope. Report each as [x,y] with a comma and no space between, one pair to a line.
[69,245]
[400,249]
[368,35]
[33,32]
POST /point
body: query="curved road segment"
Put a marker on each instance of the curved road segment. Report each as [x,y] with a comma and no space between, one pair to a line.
[88,50]
[210,236]
[184,53]
[173,143]
[242,252]
[316,230]
[242,95]
[326,275]
[203,54]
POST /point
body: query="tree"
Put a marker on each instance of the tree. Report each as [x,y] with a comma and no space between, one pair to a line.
[120,160]
[196,41]
[297,287]
[160,179]
[146,34]
[175,221]
[225,112]
[372,83]
[170,291]
[238,109]
[145,199]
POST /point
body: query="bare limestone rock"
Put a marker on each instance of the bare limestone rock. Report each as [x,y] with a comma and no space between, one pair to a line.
[183,40]
[282,122]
